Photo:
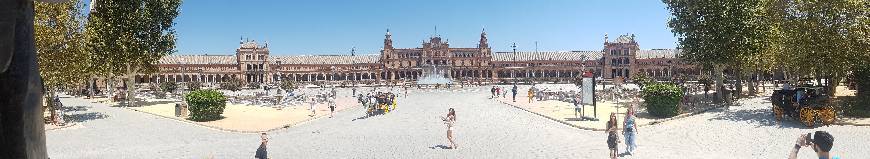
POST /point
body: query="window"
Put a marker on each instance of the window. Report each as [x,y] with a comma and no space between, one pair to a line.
[625,52]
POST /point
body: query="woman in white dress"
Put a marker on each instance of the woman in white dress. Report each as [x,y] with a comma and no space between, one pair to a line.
[450,120]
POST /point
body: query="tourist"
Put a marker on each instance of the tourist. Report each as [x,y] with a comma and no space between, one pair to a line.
[354,92]
[612,138]
[497,91]
[492,92]
[630,130]
[450,120]
[822,142]
[578,107]
[312,101]
[531,94]
[261,151]
[504,92]
[514,91]
[331,106]
[393,100]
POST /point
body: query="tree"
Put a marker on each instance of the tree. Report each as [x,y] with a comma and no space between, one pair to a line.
[128,37]
[288,84]
[718,33]
[58,33]
[58,30]
[826,39]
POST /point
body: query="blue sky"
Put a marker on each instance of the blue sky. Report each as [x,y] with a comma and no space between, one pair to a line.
[295,27]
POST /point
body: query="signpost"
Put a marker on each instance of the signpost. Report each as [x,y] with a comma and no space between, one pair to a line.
[588,91]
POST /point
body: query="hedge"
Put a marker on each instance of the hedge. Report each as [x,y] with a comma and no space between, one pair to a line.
[232,84]
[662,99]
[168,86]
[194,85]
[205,105]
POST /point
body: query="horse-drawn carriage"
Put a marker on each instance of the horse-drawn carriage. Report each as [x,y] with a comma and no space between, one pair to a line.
[805,104]
[380,103]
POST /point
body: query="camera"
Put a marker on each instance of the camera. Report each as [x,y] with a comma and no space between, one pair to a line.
[808,139]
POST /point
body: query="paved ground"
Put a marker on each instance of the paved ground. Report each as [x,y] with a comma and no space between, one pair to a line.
[485,129]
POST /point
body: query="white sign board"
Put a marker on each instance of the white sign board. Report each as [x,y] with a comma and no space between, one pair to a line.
[587,91]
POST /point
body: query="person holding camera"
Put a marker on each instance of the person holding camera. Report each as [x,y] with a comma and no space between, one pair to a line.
[821,142]
[261,151]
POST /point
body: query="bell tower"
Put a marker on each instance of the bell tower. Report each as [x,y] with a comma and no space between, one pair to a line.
[483,44]
[387,52]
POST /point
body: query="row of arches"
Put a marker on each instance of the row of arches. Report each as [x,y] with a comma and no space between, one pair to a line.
[184,78]
[538,73]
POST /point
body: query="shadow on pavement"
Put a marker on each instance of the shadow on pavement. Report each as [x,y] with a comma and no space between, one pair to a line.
[439,147]
[757,117]
[75,108]
[77,118]
[363,117]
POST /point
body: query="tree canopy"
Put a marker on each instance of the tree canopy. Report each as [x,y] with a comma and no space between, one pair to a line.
[59,33]
[129,36]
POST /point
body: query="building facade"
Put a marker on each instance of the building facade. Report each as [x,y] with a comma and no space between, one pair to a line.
[252,62]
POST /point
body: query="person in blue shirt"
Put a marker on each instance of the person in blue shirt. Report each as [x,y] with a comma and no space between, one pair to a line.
[822,142]
[514,91]
[630,131]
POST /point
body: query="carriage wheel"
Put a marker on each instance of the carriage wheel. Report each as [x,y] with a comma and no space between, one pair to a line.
[777,113]
[807,116]
[827,115]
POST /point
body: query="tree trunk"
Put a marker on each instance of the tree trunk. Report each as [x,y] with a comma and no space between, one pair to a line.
[739,85]
[751,82]
[832,84]
[91,85]
[718,75]
[131,86]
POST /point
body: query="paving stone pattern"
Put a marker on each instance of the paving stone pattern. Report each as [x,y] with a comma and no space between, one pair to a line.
[485,129]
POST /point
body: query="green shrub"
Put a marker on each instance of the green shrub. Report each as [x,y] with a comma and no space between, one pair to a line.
[205,105]
[233,84]
[168,86]
[194,85]
[662,99]
[289,85]
[642,80]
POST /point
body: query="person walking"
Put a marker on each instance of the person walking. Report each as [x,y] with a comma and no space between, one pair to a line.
[332,106]
[450,121]
[531,94]
[311,102]
[497,91]
[261,151]
[492,92]
[630,131]
[612,137]
[514,92]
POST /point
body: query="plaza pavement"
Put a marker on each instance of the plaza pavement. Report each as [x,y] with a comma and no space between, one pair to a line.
[485,129]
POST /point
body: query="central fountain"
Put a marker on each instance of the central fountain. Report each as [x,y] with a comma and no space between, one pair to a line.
[434,76]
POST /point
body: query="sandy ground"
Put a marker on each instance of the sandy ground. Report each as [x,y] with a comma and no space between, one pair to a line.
[254,118]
